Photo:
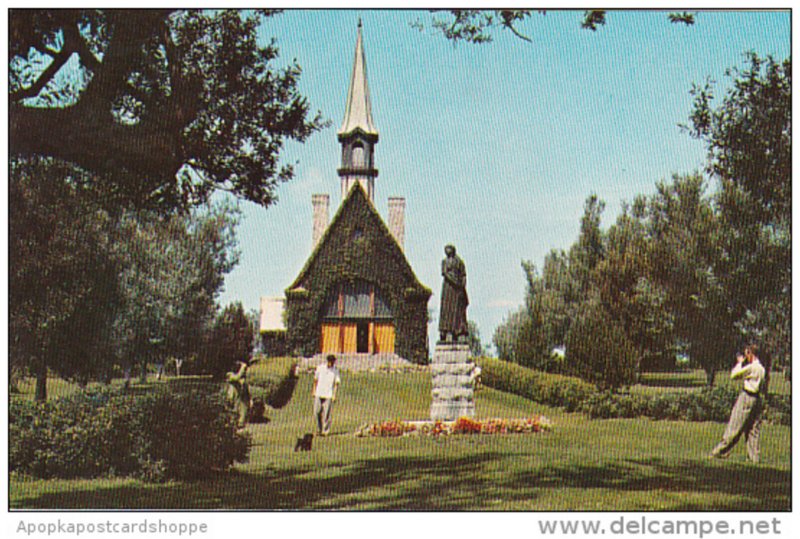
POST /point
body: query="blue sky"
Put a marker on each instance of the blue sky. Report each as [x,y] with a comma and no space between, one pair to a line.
[495,147]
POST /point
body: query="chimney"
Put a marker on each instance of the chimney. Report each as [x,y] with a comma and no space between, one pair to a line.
[320,204]
[397,219]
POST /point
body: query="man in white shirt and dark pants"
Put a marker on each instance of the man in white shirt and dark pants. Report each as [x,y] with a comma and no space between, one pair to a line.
[326,383]
[746,414]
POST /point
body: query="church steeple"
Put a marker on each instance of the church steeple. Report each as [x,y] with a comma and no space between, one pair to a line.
[358,134]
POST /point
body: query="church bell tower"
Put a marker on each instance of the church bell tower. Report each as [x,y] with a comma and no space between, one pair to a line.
[358,135]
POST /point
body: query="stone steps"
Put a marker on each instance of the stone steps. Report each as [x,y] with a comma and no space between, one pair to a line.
[363,362]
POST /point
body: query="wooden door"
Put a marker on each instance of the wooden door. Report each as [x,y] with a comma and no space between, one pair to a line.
[384,338]
[331,339]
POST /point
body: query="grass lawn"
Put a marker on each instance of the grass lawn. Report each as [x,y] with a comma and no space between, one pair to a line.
[582,464]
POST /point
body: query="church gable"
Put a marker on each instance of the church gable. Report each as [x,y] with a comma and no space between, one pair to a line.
[357,245]
[358,257]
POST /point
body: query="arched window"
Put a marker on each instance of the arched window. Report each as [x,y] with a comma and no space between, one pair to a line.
[355,300]
[359,157]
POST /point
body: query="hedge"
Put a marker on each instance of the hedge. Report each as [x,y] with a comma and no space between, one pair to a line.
[155,436]
[550,389]
[706,405]
[576,395]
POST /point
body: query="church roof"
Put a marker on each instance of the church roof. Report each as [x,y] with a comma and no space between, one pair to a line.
[358,115]
[386,254]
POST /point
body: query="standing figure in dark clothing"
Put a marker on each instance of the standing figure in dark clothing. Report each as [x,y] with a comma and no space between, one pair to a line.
[453,312]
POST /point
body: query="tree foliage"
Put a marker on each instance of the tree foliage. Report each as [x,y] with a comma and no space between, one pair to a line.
[748,136]
[229,341]
[474,339]
[599,350]
[91,290]
[171,271]
[626,288]
[163,106]
[480,25]
[60,265]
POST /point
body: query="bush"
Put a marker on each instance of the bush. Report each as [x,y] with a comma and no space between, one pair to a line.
[599,351]
[187,434]
[779,410]
[607,405]
[707,405]
[272,382]
[156,436]
[574,394]
[550,389]
[84,435]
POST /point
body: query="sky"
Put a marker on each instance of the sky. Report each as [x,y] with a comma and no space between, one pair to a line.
[495,147]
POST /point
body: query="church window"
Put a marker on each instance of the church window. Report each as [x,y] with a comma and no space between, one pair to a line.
[356,300]
[359,157]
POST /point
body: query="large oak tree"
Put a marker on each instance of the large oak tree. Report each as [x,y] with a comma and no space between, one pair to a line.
[163,106]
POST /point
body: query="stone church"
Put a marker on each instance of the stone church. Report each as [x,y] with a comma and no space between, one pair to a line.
[356,293]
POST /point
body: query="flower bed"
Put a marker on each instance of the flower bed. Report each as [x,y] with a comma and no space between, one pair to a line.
[463,425]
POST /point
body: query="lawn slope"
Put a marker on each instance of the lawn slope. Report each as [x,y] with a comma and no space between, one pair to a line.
[614,465]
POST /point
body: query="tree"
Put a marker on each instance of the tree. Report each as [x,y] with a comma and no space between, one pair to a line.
[228,342]
[589,250]
[599,351]
[689,261]
[163,106]
[59,269]
[554,298]
[474,336]
[480,25]
[507,336]
[749,141]
[628,292]
[172,269]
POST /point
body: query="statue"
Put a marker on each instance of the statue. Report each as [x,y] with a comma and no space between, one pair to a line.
[453,312]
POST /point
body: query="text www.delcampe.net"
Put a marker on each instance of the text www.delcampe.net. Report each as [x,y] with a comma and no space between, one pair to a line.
[659,526]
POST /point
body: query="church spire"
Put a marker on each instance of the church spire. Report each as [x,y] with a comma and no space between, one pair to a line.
[358,135]
[358,114]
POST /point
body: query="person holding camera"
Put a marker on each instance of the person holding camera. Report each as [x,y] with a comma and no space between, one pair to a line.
[746,414]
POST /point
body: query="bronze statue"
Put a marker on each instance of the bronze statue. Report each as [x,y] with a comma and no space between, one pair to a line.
[453,312]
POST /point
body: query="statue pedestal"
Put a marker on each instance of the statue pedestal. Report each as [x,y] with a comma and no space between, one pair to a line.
[452,385]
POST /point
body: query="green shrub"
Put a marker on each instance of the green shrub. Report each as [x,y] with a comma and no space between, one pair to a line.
[272,382]
[574,394]
[189,434]
[83,435]
[550,389]
[608,405]
[779,410]
[158,435]
[706,405]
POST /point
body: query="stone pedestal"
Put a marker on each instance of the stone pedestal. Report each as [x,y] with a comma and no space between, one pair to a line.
[451,372]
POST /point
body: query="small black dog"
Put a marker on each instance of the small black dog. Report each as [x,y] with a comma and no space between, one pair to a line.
[304,443]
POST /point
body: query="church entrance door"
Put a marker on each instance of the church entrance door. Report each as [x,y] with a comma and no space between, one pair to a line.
[362,338]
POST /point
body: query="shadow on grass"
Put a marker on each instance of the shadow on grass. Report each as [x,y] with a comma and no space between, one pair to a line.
[748,487]
[470,482]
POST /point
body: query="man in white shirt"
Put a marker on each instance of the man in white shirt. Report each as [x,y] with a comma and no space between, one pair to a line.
[326,384]
[746,414]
